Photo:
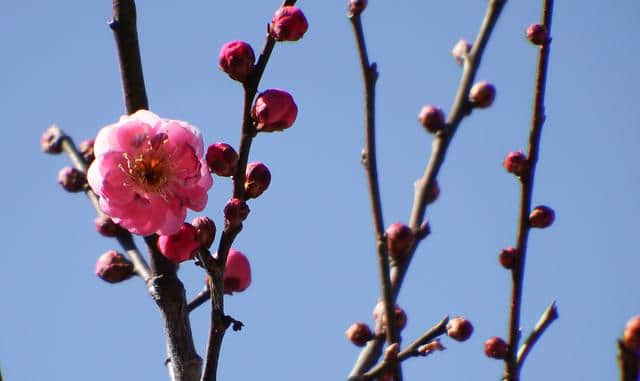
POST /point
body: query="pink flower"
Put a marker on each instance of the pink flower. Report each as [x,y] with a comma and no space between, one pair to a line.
[237,275]
[148,171]
[274,110]
[181,246]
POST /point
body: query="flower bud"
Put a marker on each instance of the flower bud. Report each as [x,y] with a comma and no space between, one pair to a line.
[631,336]
[496,348]
[482,94]
[359,334]
[181,246]
[400,240]
[236,211]
[222,159]
[357,6]
[288,24]
[72,179]
[537,34]
[541,217]
[51,140]
[106,227]
[516,162]
[433,192]
[459,329]
[460,50]
[236,59]
[113,267]
[431,118]
[256,180]
[430,347]
[380,318]
[274,110]
[508,257]
[205,230]
[237,274]
[86,149]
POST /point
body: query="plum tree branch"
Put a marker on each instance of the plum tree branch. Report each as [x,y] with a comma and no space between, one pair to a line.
[548,316]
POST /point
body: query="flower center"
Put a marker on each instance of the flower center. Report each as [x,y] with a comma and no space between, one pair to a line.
[150,169]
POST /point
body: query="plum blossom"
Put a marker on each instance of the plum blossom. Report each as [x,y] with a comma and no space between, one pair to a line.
[148,171]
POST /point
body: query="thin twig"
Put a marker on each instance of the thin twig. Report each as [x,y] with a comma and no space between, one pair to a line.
[512,369]
[440,145]
[629,363]
[548,316]
[370,76]
[216,268]
[411,351]
[198,300]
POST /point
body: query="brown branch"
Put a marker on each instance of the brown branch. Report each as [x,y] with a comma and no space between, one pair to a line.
[370,76]
[512,370]
[548,316]
[411,351]
[198,300]
[215,266]
[629,363]
[459,110]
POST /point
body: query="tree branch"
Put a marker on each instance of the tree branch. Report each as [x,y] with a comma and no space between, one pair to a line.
[548,316]
[512,370]
[629,362]
[198,300]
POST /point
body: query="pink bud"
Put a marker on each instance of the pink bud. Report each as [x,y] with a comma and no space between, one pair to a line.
[380,318]
[257,179]
[288,24]
[113,267]
[460,50]
[431,118]
[236,59]
[106,227]
[72,179]
[357,6]
[496,348]
[400,240]
[51,140]
[631,336]
[541,217]
[433,192]
[181,246]
[222,159]
[359,334]
[508,257]
[237,274]
[205,230]
[236,211]
[482,94]
[516,162]
[274,110]
[459,329]
[537,34]
[86,149]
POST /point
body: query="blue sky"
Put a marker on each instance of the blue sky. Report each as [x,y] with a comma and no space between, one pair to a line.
[309,237]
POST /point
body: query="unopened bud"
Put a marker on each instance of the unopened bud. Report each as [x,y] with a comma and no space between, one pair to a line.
[460,50]
[459,329]
[237,274]
[51,140]
[180,246]
[86,149]
[496,348]
[72,179]
[431,118]
[508,257]
[288,24]
[631,335]
[106,226]
[537,34]
[359,334]
[541,217]
[391,352]
[205,230]
[400,240]
[222,159]
[113,267]
[236,59]
[516,162]
[482,94]
[430,347]
[357,6]
[236,211]
[274,110]
[380,317]
[257,179]
[433,192]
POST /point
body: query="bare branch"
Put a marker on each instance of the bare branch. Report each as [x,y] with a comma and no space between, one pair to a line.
[548,316]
